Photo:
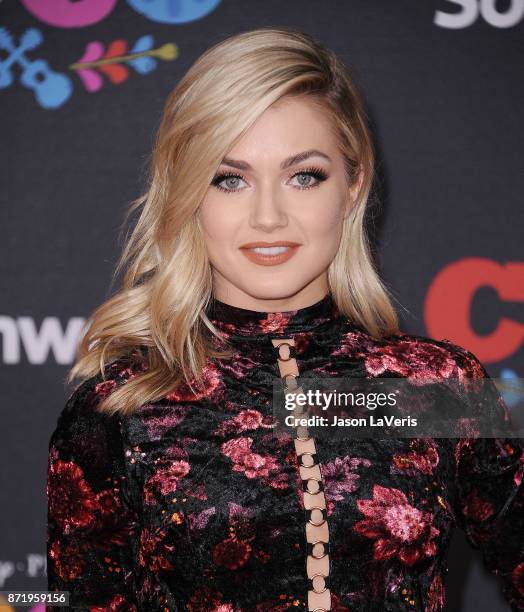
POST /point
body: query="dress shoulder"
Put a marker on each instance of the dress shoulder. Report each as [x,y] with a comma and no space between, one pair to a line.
[85,398]
[466,361]
[463,357]
[413,356]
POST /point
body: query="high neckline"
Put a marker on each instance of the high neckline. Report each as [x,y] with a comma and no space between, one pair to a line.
[237,321]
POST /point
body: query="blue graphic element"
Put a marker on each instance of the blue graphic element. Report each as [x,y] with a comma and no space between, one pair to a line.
[174,11]
[145,64]
[51,88]
[515,394]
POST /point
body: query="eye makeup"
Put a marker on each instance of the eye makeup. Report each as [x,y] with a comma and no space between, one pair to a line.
[319,174]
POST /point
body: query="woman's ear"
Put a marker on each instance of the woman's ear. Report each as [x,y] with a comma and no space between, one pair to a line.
[353,192]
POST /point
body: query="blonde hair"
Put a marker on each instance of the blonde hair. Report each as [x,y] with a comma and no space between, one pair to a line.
[160,309]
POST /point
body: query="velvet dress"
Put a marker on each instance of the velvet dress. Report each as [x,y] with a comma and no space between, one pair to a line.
[193,503]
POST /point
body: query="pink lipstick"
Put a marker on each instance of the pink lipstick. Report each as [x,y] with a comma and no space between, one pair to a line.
[269,253]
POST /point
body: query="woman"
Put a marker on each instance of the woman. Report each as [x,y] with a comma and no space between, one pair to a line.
[169,488]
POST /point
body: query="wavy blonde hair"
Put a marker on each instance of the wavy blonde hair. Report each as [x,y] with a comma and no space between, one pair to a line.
[160,309]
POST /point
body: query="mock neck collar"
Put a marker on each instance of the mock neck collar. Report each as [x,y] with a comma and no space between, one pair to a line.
[237,321]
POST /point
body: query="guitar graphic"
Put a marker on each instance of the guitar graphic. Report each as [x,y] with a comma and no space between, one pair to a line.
[51,88]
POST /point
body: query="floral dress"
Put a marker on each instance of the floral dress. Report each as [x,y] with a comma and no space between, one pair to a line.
[193,503]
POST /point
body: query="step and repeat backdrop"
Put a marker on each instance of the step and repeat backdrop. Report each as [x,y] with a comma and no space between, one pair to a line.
[82,86]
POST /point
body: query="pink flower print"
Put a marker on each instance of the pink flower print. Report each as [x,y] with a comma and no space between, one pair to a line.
[423,458]
[340,477]
[159,419]
[353,344]
[419,362]
[165,479]
[72,502]
[211,382]
[154,550]
[236,511]
[244,420]
[275,322]
[398,528]
[245,460]
[200,519]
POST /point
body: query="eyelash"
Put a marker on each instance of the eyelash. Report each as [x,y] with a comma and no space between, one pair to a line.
[318,173]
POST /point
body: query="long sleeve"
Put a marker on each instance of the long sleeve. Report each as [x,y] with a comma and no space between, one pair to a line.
[490,498]
[91,529]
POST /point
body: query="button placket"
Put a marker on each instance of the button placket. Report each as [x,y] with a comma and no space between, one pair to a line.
[316,525]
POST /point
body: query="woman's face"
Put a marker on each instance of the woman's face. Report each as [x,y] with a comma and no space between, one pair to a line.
[284,185]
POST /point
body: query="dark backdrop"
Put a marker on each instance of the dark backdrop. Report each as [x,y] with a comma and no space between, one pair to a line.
[444,88]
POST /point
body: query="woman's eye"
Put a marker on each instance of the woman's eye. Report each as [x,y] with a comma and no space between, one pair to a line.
[309,178]
[227,182]
[230,183]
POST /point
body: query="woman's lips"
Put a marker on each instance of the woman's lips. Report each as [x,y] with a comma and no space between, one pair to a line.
[266,254]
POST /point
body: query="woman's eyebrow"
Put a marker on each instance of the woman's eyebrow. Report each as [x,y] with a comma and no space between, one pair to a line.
[289,161]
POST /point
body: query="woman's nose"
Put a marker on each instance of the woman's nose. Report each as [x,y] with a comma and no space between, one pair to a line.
[268,210]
